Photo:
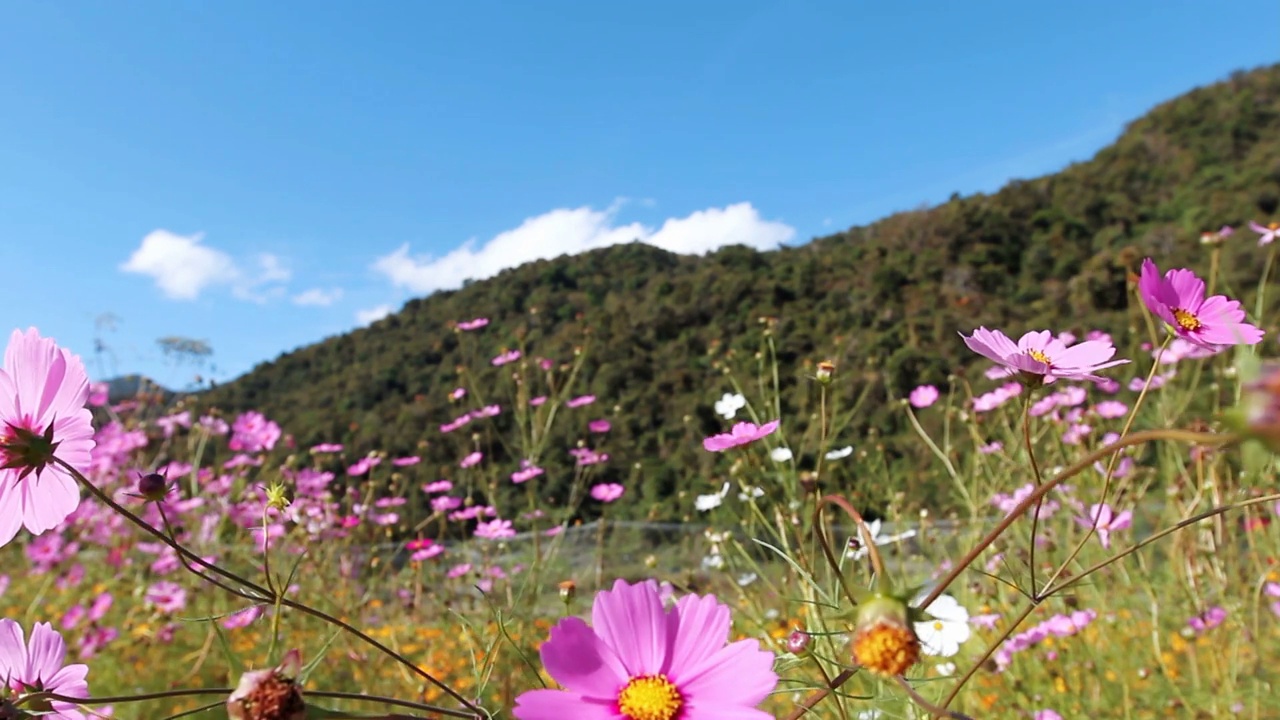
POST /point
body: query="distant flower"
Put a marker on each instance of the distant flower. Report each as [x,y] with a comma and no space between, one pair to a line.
[406,461]
[1178,298]
[992,447]
[458,393]
[580,401]
[703,503]
[607,492]
[743,433]
[1105,521]
[1111,409]
[540,400]
[646,662]
[459,570]
[923,396]
[476,324]
[1041,354]
[1268,232]
[839,454]
[1208,620]
[37,666]
[857,548]
[471,460]
[445,503]
[599,426]
[1210,237]
[587,456]
[729,404]
[326,448]
[364,465]
[242,618]
[252,433]
[526,472]
[98,393]
[438,486]
[780,454]
[507,357]
[167,597]
[497,529]
[487,411]
[1046,714]
[43,389]
[949,628]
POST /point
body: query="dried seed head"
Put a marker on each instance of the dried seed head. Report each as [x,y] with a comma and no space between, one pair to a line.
[269,694]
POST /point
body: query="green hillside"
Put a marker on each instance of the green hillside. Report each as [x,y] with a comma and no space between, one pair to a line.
[884,301]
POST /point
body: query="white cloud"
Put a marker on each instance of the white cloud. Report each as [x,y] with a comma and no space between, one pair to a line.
[180,265]
[183,268]
[317,297]
[372,315]
[574,231]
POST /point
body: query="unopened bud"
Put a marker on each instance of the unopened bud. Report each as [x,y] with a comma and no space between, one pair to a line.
[277,496]
[269,694]
[153,487]
[826,369]
[798,642]
[568,591]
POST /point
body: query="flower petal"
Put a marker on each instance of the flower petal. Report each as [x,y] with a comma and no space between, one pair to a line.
[702,627]
[738,674]
[630,619]
[577,659]
[558,705]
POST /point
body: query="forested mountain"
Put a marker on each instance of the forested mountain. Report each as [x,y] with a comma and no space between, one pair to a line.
[884,301]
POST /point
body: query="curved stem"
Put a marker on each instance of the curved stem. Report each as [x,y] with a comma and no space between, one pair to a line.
[1035,468]
[1138,438]
[267,596]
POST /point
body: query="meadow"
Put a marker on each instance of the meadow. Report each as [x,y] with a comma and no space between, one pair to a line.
[1106,546]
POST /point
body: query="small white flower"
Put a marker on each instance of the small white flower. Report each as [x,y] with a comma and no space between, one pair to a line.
[746,579]
[713,562]
[729,404]
[750,493]
[780,454]
[840,454]
[869,714]
[704,503]
[943,635]
[946,669]
[858,550]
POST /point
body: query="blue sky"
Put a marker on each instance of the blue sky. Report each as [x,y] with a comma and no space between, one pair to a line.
[264,175]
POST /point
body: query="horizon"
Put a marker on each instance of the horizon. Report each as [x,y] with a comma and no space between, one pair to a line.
[262,180]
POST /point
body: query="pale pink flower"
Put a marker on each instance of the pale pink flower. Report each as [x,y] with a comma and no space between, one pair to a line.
[607,492]
[580,401]
[1041,354]
[743,433]
[538,401]
[471,460]
[37,666]
[476,324]
[242,618]
[923,396]
[251,433]
[43,389]
[98,393]
[406,461]
[1209,619]
[459,570]
[505,358]
[326,448]
[599,426]
[438,486]
[167,597]
[1178,298]
[526,472]
[1268,232]
[1104,520]
[496,529]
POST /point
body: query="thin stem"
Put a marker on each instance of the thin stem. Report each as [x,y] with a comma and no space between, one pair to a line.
[1035,468]
[1138,438]
[817,695]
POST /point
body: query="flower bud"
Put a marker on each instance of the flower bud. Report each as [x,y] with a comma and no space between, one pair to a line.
[153,487]
[884,640]
[269,694]
[798,642]
[826,369]
[568,591]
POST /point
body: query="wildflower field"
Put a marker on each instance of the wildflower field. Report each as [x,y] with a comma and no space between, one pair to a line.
[1105,546]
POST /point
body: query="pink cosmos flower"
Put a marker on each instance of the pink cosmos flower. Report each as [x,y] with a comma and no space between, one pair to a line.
[406,461]
[167,597]
[251,433]
[476,324]
[607,492]
[242,618]
[458,394]
[538,401]
[1268,232]
[326,448]
[1179,300]
[459,570]
[471,460]
[505,358]
[527,472]
[923,396]
[641,660]
[580,401]
[1209,619]
[1104,520]
[599,426]
[43,389]
[742,434]
[37,665]
[1039,353]
[438,486]
[98,393]
[495,530]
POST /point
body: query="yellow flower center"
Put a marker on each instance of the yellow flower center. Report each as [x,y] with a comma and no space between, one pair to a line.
[1037,355]
[886,648]
[1186,320]
[650,697]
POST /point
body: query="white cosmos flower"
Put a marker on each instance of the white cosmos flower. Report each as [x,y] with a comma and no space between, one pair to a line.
[746,579]
[840,454]
[869,714]
[943,635]
[709,502]
[946,669]
[780,454]
[858,550]
[713,562]
[751,492]
[729,404]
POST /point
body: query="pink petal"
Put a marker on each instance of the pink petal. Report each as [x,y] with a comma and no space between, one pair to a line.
[13,649]
[630,619]
[577,659]
[10,507]
[694,711]
[702,628]
[735,675]
[1188,287]
[560,705]
[1035,340]
[45,653]
[47,501]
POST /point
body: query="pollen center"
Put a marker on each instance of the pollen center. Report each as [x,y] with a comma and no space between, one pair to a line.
[650,697]
[1039,356]
[886,648]
[1187,321]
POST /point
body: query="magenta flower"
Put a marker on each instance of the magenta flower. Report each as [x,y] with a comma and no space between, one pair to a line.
[599,426]
[43,389]
[923,396]
[1040,353]
[1104,520]
[580,401]
[37,666]
[242,618]
[167,597]
[476,324]
[507,357]
[406,461]
[641,660]
[326,448]
[98,393]
[471,460]
[742,434]
[438,486]
[1178,299]
[495,530]
[1268,232]
[1209,619]
[251,433]
[607,492]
